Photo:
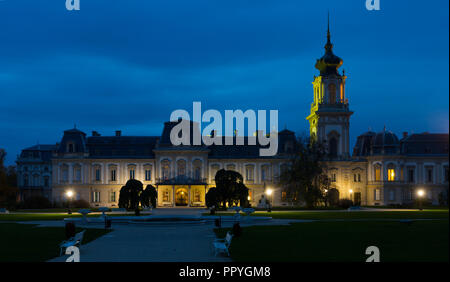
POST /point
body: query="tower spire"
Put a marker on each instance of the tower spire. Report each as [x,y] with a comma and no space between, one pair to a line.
[328,30]
[328,46]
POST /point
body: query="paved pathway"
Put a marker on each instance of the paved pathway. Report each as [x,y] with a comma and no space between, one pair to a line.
[158,242]
[134,243]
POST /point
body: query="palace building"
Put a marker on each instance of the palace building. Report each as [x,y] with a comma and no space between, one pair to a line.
[381,170]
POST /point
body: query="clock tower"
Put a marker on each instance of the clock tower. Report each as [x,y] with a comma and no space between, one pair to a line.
[329,120]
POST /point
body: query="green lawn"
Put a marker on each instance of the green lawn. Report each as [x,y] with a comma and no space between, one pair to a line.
[432,214]
[46,216]
[29,243]
[421,241]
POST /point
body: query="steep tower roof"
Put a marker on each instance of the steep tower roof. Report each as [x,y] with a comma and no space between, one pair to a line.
[329,63]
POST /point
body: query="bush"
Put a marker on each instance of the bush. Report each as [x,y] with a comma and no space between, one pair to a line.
[82,204]
[443,198]
[36,202]
[345,203]
[70,230]
[237,230]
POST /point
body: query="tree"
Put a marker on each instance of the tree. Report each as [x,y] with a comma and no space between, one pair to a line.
[130,194]
[332,197]
[304,178]
[8,183]
[212,197]
[230,188]
[149,196]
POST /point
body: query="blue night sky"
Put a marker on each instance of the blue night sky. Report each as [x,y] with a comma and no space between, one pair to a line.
[127,64]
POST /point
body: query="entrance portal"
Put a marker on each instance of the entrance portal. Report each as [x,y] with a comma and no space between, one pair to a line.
[181,197]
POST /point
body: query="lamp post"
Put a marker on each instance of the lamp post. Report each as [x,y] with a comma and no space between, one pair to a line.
[351,195]
[69,195]
[269,193]
[420,193]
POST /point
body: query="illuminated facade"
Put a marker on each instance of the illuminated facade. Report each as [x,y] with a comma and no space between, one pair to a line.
[382,170]
[95,167]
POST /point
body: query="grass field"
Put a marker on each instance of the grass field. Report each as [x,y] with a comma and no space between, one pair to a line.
[323,215]
[29,243]
[46,216]
[420,241]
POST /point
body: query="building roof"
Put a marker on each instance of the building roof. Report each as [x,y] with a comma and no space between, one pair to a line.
[121,146]
[425,144]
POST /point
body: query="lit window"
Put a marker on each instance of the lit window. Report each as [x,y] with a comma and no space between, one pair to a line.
[377,173]
[113,197]
[333,177]
[166,195]
[283,196]
[391,174]
[196,195]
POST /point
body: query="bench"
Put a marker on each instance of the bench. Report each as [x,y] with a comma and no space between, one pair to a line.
[223,245]
[74,241]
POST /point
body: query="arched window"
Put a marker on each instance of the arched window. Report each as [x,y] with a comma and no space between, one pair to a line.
[377,172]
[231,167]
[65,173]
[391,172]
[165,169]
[181,168]
[333,147]
[197,169]
[36,180]
[265,173]
[71,147]
[332,93]
[132,171]
[77,173]
[249,169]
[26,181]
[214,169]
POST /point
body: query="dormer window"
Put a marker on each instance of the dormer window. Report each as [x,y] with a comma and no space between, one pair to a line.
[70,148]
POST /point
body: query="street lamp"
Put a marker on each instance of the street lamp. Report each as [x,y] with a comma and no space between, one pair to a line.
[269,193]
[351,194]
[420,193]
[69,195]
